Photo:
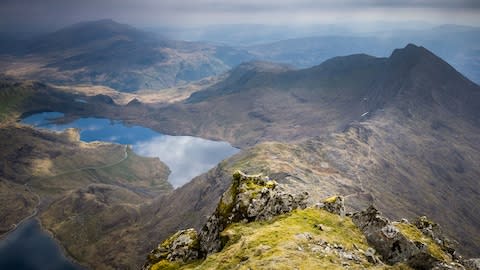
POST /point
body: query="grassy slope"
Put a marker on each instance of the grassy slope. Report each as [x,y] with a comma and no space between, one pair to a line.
[291,241]
[12,96]
[105,196]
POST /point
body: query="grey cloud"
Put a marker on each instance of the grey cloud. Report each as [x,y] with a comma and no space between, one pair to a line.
[154,12]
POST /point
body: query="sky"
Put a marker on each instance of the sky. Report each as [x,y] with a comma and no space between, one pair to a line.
[24,14]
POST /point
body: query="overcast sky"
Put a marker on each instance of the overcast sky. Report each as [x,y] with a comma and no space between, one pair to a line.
[57,13]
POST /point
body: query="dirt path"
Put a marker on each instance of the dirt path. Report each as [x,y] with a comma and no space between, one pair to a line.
[39,200]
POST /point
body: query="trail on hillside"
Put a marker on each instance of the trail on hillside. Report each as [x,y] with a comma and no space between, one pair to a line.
[39,200]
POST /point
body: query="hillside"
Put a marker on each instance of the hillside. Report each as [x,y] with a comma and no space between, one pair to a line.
[413,153]
[118,56]
[399,132]
[258,225]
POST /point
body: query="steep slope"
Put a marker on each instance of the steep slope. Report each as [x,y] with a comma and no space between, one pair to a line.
[119,56]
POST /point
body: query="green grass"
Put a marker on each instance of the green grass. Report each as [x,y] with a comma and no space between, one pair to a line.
[280,243]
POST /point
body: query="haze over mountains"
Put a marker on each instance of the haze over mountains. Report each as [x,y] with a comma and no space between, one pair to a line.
[118,56]
[122,57]
[399,131]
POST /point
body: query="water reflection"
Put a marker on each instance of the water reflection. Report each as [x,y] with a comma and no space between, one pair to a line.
[186,156]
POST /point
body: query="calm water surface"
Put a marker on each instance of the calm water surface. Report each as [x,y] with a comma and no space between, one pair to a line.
[186,156]
[29,248]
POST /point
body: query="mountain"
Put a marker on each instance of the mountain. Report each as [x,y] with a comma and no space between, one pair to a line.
[118,56]
[458,45]
[400,133]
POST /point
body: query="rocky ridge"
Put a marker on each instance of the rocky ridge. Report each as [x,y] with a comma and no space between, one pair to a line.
[249,198]
[364,239]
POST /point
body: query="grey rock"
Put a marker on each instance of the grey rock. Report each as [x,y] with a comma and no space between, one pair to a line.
[333,205]
[391,244]
[370,255]
[183,246]
[249,198]
[472,264]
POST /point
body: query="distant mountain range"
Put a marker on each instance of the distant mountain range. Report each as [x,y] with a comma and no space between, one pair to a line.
[127,59]
[458,45]
[116,55]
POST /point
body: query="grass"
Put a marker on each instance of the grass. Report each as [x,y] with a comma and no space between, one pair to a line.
[275,244]
[281,244]
[11,97]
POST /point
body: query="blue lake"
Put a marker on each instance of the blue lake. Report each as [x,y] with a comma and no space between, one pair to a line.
[29,248]
[186,156]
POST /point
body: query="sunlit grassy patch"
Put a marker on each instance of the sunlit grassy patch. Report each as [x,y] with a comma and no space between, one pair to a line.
[275,244]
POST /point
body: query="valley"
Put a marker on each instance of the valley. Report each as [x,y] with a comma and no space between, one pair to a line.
[397,132]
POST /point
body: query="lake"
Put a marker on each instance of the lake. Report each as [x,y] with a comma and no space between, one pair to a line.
[29,248]
[186,156]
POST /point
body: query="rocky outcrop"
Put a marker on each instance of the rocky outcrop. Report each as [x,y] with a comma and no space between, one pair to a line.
[334,205]
[419,245]
[182,246]
[249,198]
[472,264]
[401,242]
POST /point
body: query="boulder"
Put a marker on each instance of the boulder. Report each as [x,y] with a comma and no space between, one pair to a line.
[334,205]
[182,247]
[401,242]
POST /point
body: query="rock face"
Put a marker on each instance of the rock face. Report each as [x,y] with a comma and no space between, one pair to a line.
[404,242]
[249,198]
[182,246]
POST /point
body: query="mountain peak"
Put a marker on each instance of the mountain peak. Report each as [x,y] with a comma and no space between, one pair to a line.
[106,24]
[413,54]
[84,33]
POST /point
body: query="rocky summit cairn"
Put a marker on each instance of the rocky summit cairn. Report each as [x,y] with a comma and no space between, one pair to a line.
[249,198]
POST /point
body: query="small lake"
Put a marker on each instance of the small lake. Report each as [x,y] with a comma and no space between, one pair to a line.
[186,156]
[29,248]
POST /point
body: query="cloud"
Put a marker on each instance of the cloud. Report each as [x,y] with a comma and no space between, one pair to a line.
[153,12]
[186,156]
